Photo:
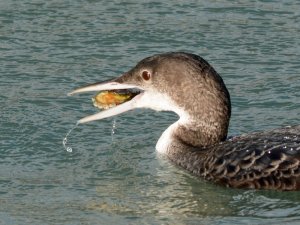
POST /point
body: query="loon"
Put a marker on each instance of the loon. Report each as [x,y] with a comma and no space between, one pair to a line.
[189,86]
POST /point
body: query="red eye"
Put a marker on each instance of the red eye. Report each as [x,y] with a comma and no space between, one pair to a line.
[146,75]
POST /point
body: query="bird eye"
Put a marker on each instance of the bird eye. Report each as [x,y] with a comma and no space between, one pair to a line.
[146,75]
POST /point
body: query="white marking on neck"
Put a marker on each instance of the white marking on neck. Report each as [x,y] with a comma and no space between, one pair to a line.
[162,102]
[165,140]
[167,137]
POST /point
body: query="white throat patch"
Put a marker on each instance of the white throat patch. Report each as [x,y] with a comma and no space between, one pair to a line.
[165,140]
[162,102]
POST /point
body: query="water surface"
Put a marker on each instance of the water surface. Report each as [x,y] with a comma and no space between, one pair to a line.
[48,48]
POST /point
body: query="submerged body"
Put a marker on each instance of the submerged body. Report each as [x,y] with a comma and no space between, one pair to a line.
[263,160]
[187,85]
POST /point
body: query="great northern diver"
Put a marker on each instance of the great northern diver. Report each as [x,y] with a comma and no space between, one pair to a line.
[187,85]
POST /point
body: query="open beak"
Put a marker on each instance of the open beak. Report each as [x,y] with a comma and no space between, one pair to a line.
[112,85]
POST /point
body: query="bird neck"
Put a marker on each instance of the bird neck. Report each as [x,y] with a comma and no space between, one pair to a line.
[190,135]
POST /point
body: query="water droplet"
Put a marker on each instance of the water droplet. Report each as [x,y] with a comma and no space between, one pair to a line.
[65,140]
[114,126]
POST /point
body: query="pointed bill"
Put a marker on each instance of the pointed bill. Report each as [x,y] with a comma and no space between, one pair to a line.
[102,86]
[108,86]
[110,112]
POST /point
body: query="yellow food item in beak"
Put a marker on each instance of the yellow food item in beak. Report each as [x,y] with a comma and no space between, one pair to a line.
[109,99]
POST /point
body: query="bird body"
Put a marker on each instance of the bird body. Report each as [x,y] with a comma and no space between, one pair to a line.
[262,160]
[187,85]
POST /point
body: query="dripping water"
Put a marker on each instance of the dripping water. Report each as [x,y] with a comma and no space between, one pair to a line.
[113,129]
[65,140]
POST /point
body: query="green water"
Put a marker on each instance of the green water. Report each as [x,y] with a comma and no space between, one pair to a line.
[113,175]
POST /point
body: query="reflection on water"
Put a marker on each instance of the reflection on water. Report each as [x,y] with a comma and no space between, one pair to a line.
[173,194]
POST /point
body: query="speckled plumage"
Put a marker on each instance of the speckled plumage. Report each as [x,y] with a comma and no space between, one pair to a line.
[261,160]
